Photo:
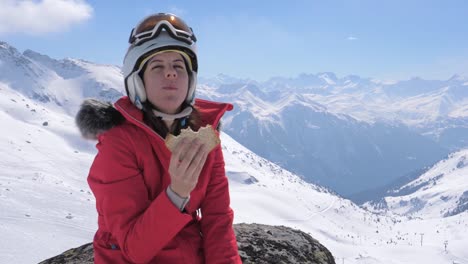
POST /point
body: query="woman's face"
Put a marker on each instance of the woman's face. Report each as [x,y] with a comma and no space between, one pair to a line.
[166,81]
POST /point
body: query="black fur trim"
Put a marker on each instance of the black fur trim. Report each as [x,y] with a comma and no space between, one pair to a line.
[95,117]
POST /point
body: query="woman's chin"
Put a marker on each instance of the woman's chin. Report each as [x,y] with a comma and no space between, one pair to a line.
[169,107]
[171,110]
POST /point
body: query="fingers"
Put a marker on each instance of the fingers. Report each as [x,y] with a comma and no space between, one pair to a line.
[188,152]
[197,163]
[176,157]
[186,164]
[180,148]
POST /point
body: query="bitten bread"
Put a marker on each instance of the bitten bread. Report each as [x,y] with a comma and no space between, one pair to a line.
[206,134]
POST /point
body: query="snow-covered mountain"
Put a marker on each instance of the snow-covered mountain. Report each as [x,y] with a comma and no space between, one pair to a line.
[349,133]
[61,84]
[431,107]
[47,207]
[441,191]
[310,125]
[296,129]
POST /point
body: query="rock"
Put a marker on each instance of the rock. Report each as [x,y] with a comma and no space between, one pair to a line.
[279,244]
[79,255]
[257,244]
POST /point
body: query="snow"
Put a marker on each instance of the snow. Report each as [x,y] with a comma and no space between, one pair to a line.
[44,196]
[48,208]
[436,192]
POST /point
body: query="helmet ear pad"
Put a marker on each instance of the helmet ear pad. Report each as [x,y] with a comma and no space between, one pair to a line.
[136,89]
[192,88]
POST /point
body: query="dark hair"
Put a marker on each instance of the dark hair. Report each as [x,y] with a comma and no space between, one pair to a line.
[157,124]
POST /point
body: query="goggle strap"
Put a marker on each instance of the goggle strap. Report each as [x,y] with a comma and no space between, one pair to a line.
[131,38]
[170,29]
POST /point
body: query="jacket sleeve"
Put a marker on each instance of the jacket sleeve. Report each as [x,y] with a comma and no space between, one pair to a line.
[142,227]
[219,240]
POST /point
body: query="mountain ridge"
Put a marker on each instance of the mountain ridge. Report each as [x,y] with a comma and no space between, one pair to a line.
[288,124]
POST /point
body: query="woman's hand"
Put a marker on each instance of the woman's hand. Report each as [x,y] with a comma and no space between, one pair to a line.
[185,165]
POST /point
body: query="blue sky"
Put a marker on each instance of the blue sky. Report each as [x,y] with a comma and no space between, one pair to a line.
[260,39]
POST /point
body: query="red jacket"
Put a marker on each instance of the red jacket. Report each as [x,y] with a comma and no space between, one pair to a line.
[137,221]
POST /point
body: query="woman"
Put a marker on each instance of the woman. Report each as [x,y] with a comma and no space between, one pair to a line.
[155,206]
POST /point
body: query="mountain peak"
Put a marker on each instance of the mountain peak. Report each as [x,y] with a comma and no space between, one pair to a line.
[66,68]
[5,47]
[229,79]
[3,44]
[329,75]
[353,77]
[36,56]
[457,77]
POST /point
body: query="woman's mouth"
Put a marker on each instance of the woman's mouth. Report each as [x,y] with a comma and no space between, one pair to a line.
[169,88]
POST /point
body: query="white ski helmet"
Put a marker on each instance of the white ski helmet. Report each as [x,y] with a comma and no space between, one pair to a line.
[154,34]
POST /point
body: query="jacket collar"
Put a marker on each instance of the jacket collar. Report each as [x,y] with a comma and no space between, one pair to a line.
[211,112]
[96,117]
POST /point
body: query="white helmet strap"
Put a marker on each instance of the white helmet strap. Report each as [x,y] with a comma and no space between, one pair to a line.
[185,112]
[136,90]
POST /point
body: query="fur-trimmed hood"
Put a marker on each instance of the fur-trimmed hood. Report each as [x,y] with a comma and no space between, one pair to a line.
[95,117]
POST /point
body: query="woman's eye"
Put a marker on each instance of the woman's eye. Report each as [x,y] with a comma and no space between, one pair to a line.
[156,67]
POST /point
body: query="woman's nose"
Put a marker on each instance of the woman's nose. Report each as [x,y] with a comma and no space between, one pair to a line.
[171,73]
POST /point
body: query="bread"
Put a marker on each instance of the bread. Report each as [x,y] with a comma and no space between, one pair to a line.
[206,134]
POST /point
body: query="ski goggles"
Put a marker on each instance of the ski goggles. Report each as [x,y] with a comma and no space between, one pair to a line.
[152,26]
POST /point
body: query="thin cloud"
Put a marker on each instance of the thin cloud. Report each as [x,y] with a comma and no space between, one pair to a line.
[173,10]
[352,38]
[178,11]
[41,17]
